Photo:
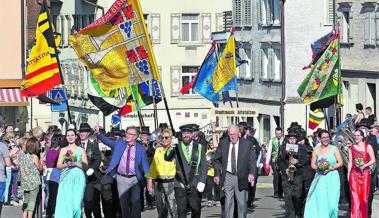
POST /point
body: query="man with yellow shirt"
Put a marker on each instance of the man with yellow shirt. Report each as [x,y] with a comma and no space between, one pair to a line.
[163,173]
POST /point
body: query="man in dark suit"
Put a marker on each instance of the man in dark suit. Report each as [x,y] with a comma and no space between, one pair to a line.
[191,172]
[92,191]
[235,166]
[129,164]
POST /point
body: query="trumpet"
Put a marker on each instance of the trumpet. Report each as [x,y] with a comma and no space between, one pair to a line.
[290,171]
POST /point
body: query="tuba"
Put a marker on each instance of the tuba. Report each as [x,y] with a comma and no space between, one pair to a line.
[343,139]
[290,171]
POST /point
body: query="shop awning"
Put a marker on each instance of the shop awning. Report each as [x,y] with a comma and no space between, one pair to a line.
[12,97]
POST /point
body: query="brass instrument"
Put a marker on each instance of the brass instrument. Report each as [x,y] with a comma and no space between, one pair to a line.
[343,139]
[290,171]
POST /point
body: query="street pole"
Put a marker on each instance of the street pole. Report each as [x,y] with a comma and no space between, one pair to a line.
[282,61]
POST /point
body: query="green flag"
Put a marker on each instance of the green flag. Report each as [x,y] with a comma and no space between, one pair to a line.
[324,78]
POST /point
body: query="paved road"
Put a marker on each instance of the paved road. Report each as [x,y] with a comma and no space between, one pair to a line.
[265,206]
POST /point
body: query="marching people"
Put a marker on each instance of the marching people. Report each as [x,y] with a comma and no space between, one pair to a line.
[291,160]
[162,173]
[235,166]
[53,172]
[30,168]
[361,157]
[129,160]
[191,172]
[212,191]
[72,161]
[5,161]
[324,193]
[372,140]
[92,191]
[273,149]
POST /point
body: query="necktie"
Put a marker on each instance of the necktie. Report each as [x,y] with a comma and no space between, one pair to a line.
[128,160]
[186,153]
[233,159]
[83,145]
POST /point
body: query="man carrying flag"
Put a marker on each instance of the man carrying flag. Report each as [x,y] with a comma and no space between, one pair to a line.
[43,71]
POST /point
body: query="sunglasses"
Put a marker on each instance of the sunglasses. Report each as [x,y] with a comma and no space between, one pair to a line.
[166,137]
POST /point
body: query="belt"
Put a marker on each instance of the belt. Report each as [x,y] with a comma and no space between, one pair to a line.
[164,180]
[126,175]
[231,173]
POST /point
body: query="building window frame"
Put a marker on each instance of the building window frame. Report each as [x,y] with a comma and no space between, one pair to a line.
[191,23]
[189,72]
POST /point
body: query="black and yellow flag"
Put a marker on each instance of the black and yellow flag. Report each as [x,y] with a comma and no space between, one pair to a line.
[42,72]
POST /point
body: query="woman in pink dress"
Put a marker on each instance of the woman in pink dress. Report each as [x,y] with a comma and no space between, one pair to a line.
[361,157]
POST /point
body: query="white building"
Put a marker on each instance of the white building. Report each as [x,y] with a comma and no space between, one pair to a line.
[181,35]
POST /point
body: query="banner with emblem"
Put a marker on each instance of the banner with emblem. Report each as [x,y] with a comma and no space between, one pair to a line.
[117,49]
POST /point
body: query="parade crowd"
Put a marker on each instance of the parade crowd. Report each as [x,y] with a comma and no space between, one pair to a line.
[90,173]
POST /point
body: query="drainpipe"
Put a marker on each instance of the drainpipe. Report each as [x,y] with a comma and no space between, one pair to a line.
[96,6]
[282,62]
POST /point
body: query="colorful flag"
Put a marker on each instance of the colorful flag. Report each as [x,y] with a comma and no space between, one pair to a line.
[324,79]
[117,48]
[42,73]
[315,118]
[141,95]
[226,66]
[115,121]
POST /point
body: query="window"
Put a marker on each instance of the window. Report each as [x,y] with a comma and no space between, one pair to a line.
[242,13]
[188,74]
[345,22]
[268,12]
[328,18]
[264,64]
[190,27]
[344,27]
[270,65]
[369,29]
[276,68]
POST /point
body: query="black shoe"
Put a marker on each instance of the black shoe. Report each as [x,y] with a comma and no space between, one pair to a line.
[8,203]
[276,196]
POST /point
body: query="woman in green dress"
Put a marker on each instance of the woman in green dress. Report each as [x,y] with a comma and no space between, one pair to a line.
[324,194]
[72,161]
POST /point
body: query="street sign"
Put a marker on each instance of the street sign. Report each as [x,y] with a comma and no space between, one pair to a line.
[59,96]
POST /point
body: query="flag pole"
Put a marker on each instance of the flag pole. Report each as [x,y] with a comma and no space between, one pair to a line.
[166,105]
[326,119]
[59,66]
[154,105]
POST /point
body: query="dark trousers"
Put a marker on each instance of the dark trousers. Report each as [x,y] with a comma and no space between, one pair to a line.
[14,184]
[188,199]
[212,191]
[53,192]
[293,192]
[277,180]
[92,200]
[109,199]
[130,202]
[371,194]
[345,188]
[252,190]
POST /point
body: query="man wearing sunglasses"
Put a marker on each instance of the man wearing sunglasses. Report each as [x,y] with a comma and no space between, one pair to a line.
[191,172]
[163,173]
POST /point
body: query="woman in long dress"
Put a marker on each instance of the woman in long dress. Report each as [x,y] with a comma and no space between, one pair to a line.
[324,193]
[361,157]
[72,160]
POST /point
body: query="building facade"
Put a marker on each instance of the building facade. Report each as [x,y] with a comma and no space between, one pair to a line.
[358,22]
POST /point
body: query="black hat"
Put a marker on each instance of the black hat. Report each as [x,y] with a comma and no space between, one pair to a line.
[187,127]
[145,130]
[122,133]
[84,127]
[359,106]
[163,126]
[243,124]
[115,131]
[196,127]
[292,134]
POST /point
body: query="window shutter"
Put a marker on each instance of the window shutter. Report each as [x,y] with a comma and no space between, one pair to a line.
[175,28]
[155,28]
[237,12]
[247,13]
[367,29]
[277,67]
[259,12]
[257,64]
[64,30]
[219,22]
[377,29]
[58,25]
[70,20]
[269,11]
[252,64]
[175,80]
[263,65]
[242,68]
[206,27]
[372,28]
[249,64]
[329,12]
[351,29]
[270,64]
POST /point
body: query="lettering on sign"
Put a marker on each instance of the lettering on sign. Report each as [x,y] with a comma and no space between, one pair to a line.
[235,112]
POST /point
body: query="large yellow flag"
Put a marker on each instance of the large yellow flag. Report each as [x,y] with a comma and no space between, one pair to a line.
[226,66]
[117,48]
[42,73]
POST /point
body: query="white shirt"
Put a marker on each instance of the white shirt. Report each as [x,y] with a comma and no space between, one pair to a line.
[229,166]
